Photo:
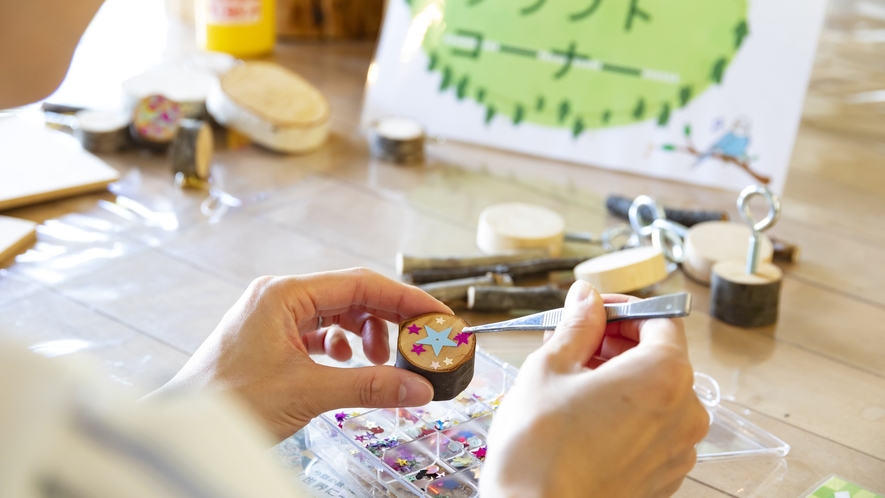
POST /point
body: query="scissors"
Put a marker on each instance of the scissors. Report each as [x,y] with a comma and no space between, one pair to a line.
[668,306]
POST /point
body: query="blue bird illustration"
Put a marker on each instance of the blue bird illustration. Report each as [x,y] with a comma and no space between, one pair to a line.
[733,144]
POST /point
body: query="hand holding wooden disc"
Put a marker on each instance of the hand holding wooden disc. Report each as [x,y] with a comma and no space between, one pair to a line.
[433,346]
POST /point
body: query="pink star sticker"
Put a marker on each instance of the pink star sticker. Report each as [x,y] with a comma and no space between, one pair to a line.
[418,349]
[480,453]
[414,329]
[462,338]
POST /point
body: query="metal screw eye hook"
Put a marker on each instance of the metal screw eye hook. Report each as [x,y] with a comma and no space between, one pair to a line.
[610,234]
[774,212]
[669,243]
[774,207]
[640,225]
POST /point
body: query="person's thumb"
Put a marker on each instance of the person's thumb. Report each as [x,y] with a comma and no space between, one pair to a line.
[581,329]
[370,387]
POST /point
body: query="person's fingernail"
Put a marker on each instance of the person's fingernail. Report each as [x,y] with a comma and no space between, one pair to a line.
[579,291]
[414,392]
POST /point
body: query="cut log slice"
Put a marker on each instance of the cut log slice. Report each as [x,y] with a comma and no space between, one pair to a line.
[742,299]
[191,152]
[433,346]
[273,106]
[517,226]
[397,139]
[709,243]
[102,131]
[624,271]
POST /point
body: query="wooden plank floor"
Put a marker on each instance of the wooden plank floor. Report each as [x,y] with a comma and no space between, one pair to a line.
[138,293]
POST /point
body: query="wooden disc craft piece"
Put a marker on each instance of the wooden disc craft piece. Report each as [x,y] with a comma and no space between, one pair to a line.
[744,299]
[397,139]
[711,242]
[433,346]
[191,153]
[155,121]
[102,132]
[624,271]
[273,106]
[517,226]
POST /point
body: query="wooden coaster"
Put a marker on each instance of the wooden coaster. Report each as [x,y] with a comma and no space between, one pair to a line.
[191,153]
[742,299]
[517,226]
[15,236]
[711,242]
[273,106]
[433,346]
[624,271]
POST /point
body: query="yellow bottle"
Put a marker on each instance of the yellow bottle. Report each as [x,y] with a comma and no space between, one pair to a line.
[242,28]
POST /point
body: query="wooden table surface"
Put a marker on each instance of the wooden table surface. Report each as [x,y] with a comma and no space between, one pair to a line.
[139,277]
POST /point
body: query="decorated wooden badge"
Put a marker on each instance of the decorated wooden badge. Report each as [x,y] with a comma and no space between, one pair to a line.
[433,346]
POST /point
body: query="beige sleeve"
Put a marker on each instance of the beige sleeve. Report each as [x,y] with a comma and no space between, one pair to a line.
[64,431]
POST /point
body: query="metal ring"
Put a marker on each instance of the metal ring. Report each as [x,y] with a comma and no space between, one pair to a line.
[611,233]
[669,243]
[774,207]
[638,224]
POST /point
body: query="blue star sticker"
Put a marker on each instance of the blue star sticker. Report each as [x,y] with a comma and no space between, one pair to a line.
[437,340]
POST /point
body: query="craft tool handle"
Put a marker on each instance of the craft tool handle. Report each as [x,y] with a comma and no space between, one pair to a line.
[620,206]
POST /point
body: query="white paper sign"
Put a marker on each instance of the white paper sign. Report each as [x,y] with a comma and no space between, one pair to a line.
[701,91]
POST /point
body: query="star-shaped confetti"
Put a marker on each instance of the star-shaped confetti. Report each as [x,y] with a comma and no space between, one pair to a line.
[462,338]
[480,453]
[414,329]
[448,361]
[440,320]
[418,349]
[340,417]
[434,365]
[437,340]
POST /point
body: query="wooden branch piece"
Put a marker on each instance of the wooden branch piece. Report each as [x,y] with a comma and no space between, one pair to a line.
[407,264]
[742,299]
[624,271]
[619,206]
[711,242]
[456,290]
[273,106]
[191,153]
[785,251]
[516,226]
[433,346]
[494,298]
[517,269]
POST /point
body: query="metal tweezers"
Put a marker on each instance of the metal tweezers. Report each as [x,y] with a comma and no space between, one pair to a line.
[669,306]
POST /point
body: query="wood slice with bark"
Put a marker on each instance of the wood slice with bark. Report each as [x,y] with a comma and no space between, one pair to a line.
[434,347]
[743,299]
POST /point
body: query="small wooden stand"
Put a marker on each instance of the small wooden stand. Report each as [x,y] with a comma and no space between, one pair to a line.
[742,299]
[624,271]
[746,292]
[433,346]
[517,226]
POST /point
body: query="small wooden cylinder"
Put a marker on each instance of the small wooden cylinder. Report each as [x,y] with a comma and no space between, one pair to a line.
[742,299]
[434,347]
